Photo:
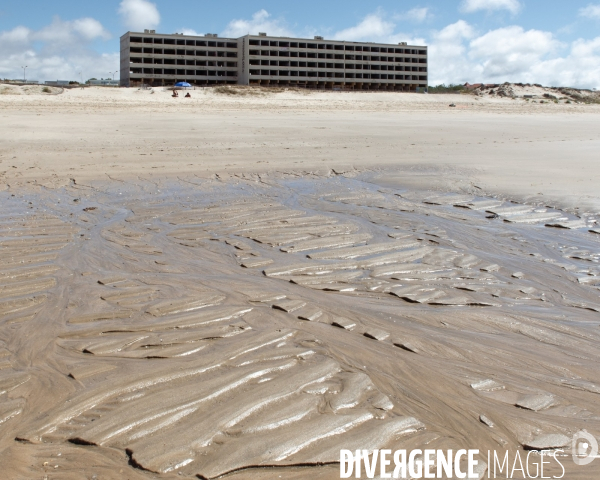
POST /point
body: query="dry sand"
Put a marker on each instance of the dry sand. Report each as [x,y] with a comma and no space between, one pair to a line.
[501,145]
[191,287]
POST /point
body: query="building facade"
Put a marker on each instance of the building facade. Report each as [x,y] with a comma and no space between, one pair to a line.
[156,59]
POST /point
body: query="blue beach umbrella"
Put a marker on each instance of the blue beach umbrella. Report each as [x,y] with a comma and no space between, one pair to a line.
[182,84]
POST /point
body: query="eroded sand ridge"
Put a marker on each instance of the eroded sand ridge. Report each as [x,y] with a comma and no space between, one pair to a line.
[271,321]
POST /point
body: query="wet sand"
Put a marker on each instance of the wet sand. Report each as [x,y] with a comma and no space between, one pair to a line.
[198,320]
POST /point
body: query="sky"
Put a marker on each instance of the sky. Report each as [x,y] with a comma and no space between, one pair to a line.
[493,41]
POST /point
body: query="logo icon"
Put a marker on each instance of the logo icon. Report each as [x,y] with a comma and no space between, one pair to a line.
[584,448]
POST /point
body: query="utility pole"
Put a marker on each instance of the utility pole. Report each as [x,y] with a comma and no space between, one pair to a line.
[24,69]
[113,74]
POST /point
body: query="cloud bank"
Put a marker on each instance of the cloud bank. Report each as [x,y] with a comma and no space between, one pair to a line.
[459,53]
[591,11]
[59,50]
[372,27]
[416,15]
[470,6]
[138,15]
[261,21]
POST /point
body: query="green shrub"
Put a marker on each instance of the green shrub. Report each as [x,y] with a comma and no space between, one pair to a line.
[447,88]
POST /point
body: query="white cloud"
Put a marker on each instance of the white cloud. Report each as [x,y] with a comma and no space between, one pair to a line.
[591,11]
[376,28]
[511,50]
[586,48]
[459,54]
[580,68]
[455,32]
[512,6]
[90,28]
[189,31]
[372,27]
[417,15]
[16,36]
[260,22]
[448,62]
[138,15]
[447,46]
[66,32]
[59,50]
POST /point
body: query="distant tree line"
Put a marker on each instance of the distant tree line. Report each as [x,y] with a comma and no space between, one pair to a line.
[443,88]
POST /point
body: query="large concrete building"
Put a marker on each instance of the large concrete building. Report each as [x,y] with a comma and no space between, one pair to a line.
[158,59]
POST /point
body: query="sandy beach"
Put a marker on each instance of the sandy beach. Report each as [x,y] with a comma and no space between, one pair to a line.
[502,145]
[244,283]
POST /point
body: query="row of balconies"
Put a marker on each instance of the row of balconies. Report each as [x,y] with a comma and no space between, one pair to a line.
[347,66]
[271,63]
[181,53]
[153,72]
[333,46]
[274,43]
[274,53]
[183,42]
[294,73]
[267,53]
[367,58]
[179,61]
[263,53]
[273,73]
[317,72]
[215,75]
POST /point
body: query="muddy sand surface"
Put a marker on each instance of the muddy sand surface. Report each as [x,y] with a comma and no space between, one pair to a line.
[255,326]
[242,285]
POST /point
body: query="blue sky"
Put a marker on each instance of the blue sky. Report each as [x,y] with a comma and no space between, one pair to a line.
[549,42]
